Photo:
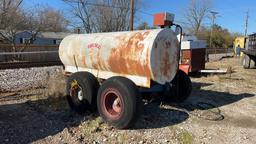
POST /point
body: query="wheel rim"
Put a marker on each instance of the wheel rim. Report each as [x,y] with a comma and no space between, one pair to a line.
[76,91]
[112,104]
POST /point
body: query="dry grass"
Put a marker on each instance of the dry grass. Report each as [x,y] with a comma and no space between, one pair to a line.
[56,87]
[239,81]
[233,94]
[185,138]
[53,95]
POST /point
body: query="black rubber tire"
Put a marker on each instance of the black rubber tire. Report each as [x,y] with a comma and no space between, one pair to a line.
[129,95]
[180,89]
[246,61]
[89,85]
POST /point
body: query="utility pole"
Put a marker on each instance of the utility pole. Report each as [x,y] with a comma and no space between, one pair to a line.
[132,15]
[246,23]
[213,17]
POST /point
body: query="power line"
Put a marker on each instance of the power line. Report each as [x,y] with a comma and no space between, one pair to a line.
[117,7]
[97,4]
[137,10]
[143,12]
[103,5]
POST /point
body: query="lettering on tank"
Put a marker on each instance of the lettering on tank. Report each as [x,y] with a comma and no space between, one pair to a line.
[94,46]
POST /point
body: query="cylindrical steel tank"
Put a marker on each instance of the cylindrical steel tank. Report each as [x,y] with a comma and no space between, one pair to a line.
[149,53]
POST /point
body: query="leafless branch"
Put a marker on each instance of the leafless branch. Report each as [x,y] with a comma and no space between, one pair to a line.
[102,15]
[196,13]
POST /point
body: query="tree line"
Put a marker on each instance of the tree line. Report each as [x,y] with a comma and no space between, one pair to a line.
[196,14]
[14,18]
[102,16]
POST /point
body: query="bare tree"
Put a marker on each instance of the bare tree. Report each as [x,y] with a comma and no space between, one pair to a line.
[82,12]
[102,15]
[12,19]
[52,20]
[196,13]
[112,16]
[144,25]
[43,19]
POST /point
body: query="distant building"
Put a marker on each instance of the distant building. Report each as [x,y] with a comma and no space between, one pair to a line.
[239,41]
[42,38]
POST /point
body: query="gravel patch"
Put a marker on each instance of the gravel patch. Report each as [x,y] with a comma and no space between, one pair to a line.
[20,79]
[42,115]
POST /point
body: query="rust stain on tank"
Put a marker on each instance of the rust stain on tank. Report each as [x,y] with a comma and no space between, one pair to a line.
[168,45]
[96,60]
[84,61]
[92,59]
[177,44]
[101,63]
[122,58]
[166,66]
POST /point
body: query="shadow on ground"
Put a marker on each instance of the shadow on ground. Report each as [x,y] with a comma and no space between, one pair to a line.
[214,98]
[156,117]
[31,121]
[203,104]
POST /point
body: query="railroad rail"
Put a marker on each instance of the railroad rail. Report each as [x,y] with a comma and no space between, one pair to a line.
[27,53]
[15,65]
[29,59]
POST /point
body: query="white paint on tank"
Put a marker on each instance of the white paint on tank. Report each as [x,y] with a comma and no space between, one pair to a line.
[141,56]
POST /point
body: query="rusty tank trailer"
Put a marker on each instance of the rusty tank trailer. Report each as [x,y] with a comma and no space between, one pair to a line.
[109,72]
[141,56]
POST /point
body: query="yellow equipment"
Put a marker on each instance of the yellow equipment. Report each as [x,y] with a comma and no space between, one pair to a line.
[239,41]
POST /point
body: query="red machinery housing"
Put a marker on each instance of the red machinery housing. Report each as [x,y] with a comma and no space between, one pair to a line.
[193,53]
[192,58]
[163,19]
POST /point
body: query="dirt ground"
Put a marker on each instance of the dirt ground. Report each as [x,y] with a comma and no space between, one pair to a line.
[221,109]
